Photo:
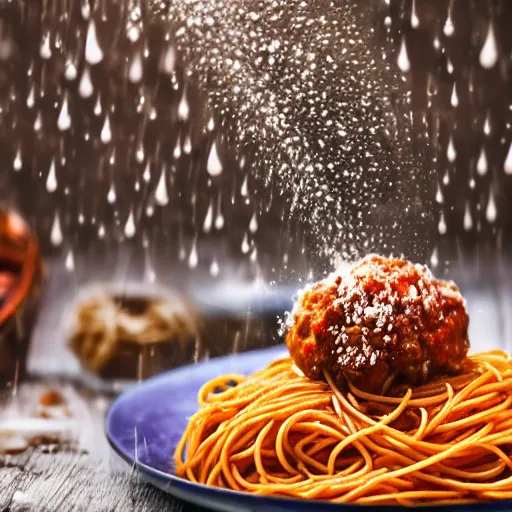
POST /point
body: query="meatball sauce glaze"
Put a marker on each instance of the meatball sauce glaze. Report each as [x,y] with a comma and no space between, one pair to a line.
[384,320]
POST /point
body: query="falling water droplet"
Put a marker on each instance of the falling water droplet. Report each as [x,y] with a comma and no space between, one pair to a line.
[93,51]
[38,123]
[211,124]
[244,189]
[31,97]
[253,225]
[434,260]
[177,150]
[442,225]
[507,166]
[415,21]
[491,212]
[18,162]
[106,133]
[129,227]
[101,231]
[439,194]
[46,50]
[193,258]
[136,70]
[85,87]
[446,178]
[468,221]
[451,154]
[489,52]
[64,119]
[214,268]
[97,106]
[146,175]
[219,220]
[448,29]
[161,194]
[481,165]
[454,98]
[111,196]
[187,145]
[487,124]
[139,154]
[449,66]
[472,183]
[254,255]
[69,264]
[56,231]
[169,61]
[51,180]
[208,220]
[86,9]
[70,72]
[183,108]
[245,244]
[403,59]
[214,166]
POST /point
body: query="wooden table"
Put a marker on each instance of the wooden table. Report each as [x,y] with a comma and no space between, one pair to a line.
[86,477]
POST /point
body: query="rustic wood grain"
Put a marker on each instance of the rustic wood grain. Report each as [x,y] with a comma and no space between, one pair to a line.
[89,477]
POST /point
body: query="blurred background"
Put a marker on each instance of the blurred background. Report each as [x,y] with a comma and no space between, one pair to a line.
[216,156]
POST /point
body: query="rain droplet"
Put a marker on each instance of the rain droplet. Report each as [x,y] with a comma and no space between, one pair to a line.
[208,220]
[183,108]
[219,220]
[38,123]
[211,124]
[487,124]
[214,166]
[468,221]
[187,145]
[146,175]
[193,258]
[85,87]
[135,72]
[403,59]
[31,97]
[111,196]
[169,61]
[161,194]
[448,29]
[449,66]
[70,72]
[46,50]
[69,264]
[214,268]
[454,98]
[139,154]
[472,183]
[481,165]
[101,231]
[415,21]
[64,119]
[129,227]
[106,133]
[51,180]
[253,225]
[244,189]
[93,52]
[507,166]
[177,150]
[489,52]
[434,260]
[18,162]
[446,178]
[56,232]
[491,211]
[86,9]
[451,154]
[245,244]
[442,225]
[97,106]
[254,255]
[439,194]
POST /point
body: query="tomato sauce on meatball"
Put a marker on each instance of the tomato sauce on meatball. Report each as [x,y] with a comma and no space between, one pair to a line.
[384,318]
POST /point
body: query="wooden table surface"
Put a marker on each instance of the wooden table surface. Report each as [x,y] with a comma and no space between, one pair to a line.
[87,476]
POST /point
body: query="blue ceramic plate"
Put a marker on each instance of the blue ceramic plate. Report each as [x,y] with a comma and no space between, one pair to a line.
[145,424]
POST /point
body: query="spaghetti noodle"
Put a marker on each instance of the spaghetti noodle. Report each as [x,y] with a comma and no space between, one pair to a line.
[278,432]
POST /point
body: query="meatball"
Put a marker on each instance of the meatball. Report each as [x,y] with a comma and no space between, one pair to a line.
[384,318]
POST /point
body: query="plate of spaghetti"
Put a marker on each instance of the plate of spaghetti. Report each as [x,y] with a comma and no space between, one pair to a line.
[375,400]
